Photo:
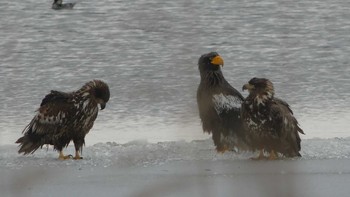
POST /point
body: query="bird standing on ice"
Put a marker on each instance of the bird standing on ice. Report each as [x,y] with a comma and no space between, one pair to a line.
[63,117]
[219,105]
[269,121]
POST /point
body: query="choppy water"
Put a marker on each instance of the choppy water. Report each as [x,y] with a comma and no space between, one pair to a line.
[147,50]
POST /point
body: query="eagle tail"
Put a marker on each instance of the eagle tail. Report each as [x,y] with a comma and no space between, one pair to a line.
[28,144]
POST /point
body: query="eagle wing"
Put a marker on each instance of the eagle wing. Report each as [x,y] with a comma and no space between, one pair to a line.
[227,105]
[220,114]
[56,97]
[50,122]
[285,125]
[54,112]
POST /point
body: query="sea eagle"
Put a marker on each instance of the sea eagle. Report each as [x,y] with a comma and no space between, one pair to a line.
[63,117]
[269,122]
[219,105]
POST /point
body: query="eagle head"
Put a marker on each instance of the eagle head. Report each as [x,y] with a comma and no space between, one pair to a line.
[101,93]
[259,86]
[98,90]
[210,62]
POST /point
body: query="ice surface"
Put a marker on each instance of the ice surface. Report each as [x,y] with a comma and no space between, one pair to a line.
[143,153]
[180,168]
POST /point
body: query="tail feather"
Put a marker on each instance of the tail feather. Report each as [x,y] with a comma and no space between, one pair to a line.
[28,144]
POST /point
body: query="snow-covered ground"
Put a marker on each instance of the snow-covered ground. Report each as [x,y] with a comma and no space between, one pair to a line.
[178,168]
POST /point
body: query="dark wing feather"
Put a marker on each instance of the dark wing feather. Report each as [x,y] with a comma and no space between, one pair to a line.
[228,109]
[56,96]
[219,110]
[228,89]
[286,126]
[56,110]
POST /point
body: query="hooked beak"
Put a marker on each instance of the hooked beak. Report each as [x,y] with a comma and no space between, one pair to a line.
[248,87]
[218,61]
[102,105]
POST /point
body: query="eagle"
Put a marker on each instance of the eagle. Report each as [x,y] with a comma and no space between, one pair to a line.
[269,121]
[63,117]
[219,105]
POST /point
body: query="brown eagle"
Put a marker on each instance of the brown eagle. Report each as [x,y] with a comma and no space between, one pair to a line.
[219,105]
[269,121]
[63,117]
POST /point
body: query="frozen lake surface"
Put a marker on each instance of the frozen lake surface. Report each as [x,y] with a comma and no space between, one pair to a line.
[178,168]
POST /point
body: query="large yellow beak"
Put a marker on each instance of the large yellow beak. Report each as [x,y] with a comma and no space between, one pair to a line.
[248,87]
[217,60]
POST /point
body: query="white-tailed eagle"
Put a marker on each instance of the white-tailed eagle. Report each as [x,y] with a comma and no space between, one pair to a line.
[269,121]
[63,117]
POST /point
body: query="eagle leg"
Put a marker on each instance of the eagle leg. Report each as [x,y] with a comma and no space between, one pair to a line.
[222,149]
[61,156]
[273,155]
[260,157]
[77,155]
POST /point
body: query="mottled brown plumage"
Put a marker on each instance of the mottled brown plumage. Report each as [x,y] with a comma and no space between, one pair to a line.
[219,105]
[63,117]
[269,121]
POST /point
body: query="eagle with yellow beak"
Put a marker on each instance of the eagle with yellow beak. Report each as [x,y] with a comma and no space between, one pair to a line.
[219,105]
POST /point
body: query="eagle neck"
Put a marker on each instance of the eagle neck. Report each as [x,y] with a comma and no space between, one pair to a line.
[87,91]
[212,78]
[260,99]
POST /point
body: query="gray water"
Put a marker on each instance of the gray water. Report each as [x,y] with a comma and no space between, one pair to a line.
[147,51]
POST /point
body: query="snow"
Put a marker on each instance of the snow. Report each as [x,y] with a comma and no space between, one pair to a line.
[178,168]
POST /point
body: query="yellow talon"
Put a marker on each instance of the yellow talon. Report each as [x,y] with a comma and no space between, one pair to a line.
[260,157]
[223,149]
[61,156]
[77,156]
[273,155]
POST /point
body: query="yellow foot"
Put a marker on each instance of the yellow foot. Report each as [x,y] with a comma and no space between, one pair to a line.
[222,149]
[273,156]
[77,156]
[260,157]
[61,156]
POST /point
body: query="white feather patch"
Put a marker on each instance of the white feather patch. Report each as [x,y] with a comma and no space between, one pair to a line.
[260,101]
[86,103]
[225,102]
[49,119]
[91,113]
[251,123]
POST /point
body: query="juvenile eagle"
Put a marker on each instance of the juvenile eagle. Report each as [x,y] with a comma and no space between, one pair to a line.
[63,117]
[269,121]
[219,105]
